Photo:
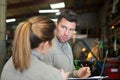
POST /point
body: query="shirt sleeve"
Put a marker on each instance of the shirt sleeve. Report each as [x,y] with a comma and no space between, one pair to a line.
[73,74]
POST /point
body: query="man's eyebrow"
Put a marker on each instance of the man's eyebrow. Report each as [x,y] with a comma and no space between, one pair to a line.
[63,26]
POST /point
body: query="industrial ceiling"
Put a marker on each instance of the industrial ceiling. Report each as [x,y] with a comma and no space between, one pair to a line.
[26,8]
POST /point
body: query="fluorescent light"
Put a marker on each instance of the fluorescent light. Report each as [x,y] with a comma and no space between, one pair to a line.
[49,11]
[57,5]
[11,20]
[79,36]
[58,13]
[55,20]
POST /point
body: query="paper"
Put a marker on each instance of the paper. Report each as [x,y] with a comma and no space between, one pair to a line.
[99,77]
[90,78]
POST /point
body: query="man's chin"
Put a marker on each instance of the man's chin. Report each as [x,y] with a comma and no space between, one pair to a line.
[63,41]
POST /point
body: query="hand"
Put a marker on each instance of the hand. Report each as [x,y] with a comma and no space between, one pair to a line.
[84,72]
[64,74]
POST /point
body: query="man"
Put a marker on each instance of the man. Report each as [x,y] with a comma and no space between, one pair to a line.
[60,56]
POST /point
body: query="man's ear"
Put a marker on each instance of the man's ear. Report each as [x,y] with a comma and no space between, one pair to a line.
[55,23]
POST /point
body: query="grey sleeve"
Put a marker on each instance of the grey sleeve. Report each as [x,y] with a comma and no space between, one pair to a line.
[73,74]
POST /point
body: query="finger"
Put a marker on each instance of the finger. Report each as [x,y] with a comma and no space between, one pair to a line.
[61,70]
[87,73]
[67,73]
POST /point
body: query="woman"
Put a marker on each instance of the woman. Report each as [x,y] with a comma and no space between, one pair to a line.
[32,39]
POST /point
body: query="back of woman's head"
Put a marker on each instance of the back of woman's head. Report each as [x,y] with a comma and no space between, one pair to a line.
[41,30]
[28,35]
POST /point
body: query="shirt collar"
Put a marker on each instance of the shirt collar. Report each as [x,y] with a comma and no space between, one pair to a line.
[59,43]
[37,54]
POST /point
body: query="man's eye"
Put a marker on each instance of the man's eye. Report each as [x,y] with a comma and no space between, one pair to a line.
[63,26]
[71,29]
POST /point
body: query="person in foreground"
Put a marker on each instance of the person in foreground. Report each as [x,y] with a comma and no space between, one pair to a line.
[60,56]
[32,39]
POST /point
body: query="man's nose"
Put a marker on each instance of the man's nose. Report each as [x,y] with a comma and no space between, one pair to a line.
[67,32]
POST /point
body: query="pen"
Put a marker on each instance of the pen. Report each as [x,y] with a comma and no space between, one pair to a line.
[81,65]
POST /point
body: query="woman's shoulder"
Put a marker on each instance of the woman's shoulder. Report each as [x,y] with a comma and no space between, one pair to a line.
[43,69]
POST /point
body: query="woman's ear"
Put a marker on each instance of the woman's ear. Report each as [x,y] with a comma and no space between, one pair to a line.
[44,46]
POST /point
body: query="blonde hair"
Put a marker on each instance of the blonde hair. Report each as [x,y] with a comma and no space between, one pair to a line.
[28,35]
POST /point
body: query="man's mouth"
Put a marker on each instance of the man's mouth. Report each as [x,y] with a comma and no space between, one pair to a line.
[64,38]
